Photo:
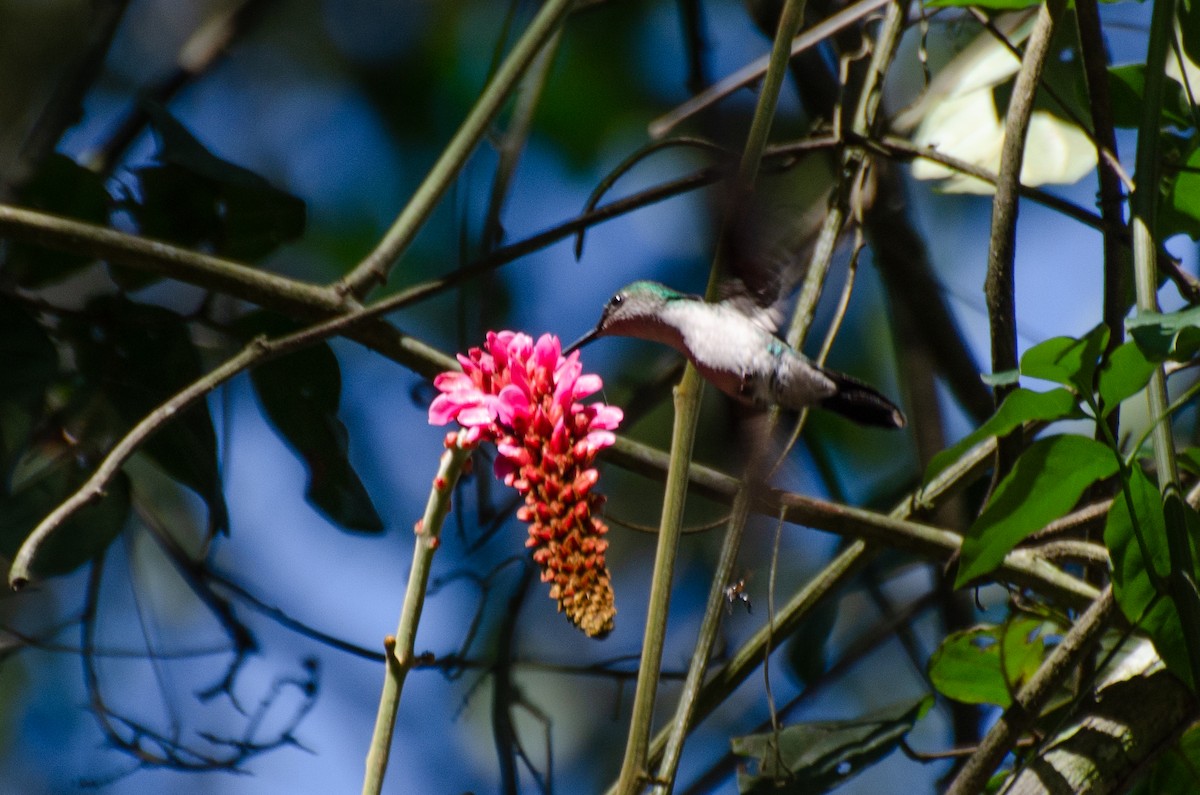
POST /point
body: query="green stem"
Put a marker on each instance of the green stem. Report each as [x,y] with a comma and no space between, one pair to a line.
[687,401]
[634,769]
[1144,212]
[999,285]
[698,666]
[400,656]
[375,266]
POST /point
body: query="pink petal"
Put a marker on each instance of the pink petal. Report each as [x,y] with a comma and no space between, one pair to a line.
[545,353]
[443,409]
[453,382]
[502,468]
[516,454]
[512,402]
[606,416]
[598,440]
[586,385]
[480,414]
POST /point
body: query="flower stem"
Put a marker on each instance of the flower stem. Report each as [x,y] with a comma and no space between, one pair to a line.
[399,649]
[1144,222]
[634,770]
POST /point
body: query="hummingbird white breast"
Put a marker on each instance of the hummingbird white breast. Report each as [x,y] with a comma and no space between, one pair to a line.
[744,360]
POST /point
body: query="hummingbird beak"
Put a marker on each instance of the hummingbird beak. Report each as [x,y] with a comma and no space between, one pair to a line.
[584,340]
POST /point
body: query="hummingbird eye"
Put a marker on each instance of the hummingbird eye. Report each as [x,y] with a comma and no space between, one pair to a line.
[616,300]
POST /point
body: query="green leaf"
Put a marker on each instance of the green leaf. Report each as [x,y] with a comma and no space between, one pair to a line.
[1067,361]
[1175,335]
[816,757]
[1133,583]
[1182,207]
[1046,482]
[1189,30]
[28,358]
[1127,87]
[807,651]
[988,664]
[1125,373]
[138,356]
[61,187]
[80,538]
[195,198]
[1020,407]
[1177,772]
[300,395]
[1189,460]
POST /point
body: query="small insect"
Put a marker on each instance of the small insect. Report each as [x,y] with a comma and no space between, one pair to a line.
[736,592]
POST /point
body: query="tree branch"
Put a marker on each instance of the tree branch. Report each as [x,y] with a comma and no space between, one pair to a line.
[999,285]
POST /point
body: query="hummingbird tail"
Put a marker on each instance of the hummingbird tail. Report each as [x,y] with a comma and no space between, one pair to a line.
[862,403]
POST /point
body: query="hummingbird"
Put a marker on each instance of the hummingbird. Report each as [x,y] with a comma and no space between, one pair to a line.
[733,344]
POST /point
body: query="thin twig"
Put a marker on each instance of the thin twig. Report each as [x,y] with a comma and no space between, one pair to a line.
[1112,199]
[999,285]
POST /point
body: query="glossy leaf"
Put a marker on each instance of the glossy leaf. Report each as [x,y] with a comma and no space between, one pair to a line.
[300,395]
[808,649]
[139,356]
[61,187]
[192,197]
[1020,407]
[1066,360]
[1125,373]
[988,664]
[1176,772]
[1189,460]
[1046,482]
[1175,335]
[1189,33]
[1134,586]
[1127,85]
[816,757]
[1183,199]
[28,358]
[82,537]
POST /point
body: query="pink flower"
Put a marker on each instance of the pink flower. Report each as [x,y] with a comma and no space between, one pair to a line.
[524,397]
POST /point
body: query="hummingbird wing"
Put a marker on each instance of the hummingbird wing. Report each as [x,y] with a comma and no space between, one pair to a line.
[768,253]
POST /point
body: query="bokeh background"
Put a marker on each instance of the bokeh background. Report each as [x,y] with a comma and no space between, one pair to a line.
[345,104]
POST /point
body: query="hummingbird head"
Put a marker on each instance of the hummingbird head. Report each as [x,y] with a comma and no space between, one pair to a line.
[633,311]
